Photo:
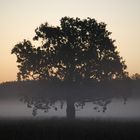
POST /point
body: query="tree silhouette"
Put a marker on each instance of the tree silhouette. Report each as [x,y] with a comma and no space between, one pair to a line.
[135,76]
[77,51]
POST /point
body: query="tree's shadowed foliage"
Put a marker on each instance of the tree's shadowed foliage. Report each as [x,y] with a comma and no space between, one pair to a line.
[77,51]
[46,104]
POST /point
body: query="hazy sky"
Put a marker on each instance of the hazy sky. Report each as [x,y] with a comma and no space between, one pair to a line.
[19,18]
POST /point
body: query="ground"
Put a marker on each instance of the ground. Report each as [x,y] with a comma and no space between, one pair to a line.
[63,129]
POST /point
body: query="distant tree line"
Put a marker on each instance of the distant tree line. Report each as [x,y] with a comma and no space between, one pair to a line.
[32,87]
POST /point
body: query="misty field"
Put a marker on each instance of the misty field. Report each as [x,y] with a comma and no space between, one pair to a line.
[68,129]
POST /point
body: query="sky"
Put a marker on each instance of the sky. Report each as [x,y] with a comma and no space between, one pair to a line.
[19,18]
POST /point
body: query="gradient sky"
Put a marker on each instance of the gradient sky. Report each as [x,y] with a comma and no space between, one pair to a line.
[19,18]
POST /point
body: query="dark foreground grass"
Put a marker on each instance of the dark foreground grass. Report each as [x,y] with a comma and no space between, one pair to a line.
[63,129]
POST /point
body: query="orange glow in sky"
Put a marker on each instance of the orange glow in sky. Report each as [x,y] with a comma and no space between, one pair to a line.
[19,18]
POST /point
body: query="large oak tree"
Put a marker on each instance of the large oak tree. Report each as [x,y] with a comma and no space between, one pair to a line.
[77,50]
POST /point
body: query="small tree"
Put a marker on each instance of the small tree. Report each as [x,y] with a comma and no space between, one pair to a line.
[78,50]
[135,76]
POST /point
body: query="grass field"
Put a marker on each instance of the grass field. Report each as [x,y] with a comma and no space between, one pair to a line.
[63,129]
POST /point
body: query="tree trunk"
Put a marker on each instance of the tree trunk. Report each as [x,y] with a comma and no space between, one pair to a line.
[70,111]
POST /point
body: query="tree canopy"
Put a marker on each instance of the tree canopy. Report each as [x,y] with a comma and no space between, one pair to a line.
[77,50]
